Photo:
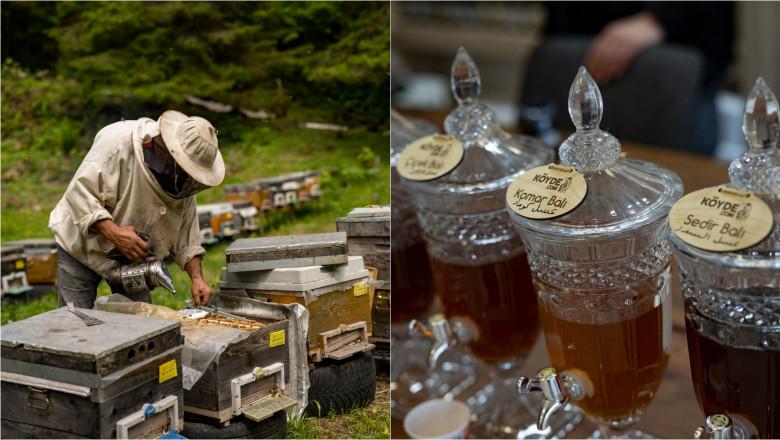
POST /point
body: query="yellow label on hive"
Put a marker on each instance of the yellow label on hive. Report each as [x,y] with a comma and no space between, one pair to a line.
[276,338]
[546,192]
[20,264]
[168,370]
[721,219]
[430,157]
[360,289]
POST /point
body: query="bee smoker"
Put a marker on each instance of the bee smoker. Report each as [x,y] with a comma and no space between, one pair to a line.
[139,277]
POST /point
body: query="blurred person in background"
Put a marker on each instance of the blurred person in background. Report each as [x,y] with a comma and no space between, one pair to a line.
[622,30]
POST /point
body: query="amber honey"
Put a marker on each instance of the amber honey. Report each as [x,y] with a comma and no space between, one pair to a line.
[620,356]
[738,381]
[411,280]
[498,298]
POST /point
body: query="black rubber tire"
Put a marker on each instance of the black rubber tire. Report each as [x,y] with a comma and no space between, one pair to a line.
[340,386]
[241,427]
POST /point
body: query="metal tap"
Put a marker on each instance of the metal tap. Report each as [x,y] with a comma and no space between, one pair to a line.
[558,390]
[718,426]
[439,330]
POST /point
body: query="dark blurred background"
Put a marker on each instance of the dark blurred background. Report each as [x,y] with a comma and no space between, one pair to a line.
[672,74]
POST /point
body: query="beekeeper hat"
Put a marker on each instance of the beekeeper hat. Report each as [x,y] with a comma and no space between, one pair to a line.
[192,141]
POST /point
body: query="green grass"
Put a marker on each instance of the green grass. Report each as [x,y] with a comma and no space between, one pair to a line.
[372,421]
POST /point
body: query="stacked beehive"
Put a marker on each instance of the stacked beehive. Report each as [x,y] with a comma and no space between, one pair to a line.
[312,270]
[368,235]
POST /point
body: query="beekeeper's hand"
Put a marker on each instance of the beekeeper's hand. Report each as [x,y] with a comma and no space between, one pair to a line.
[125,238]
[201,292]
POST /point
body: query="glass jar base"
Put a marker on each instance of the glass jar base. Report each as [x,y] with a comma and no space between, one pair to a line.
[619,428]
[413,381]
[498,411]
[630,434]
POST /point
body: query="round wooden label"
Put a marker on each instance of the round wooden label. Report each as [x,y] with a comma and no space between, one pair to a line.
[546,192]
[430,157]
[721,219]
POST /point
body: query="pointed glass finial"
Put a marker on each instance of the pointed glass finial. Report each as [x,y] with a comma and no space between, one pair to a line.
[761,121]
[465,81]
[758,169]
[585,103]
[470,120]
[589,148]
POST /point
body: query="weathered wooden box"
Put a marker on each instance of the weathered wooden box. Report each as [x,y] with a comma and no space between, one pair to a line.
[64,379]
[265,253]
[380,310]
[336,297]
[368,235]
[248,378]
[41,256]
[13,275]
[223,221]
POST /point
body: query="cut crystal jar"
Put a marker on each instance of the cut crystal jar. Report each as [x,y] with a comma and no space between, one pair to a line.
[601,274]
[479,265]
[732,299]
[411,277]
[415,376]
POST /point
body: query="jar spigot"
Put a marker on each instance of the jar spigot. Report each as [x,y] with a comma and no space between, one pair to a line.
[557,389]
[718,426]
[444,335]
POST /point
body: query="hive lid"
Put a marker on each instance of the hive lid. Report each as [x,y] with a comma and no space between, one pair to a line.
[266,253]
[61,332]
[367,212]
[296,278]
[33,243]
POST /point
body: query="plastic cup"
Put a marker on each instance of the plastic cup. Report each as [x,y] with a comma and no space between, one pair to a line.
[438,418]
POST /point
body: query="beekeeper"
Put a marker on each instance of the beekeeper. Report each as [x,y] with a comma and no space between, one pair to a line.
[139,176]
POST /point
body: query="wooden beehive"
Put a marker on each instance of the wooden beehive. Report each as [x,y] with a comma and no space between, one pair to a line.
[64,379]
[380,310]
[41,256]
[237,192]
[368,235]
[247,349]
[13,275]
[336,297]
[265,253]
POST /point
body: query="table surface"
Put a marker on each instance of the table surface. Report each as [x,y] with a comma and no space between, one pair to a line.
[674,412]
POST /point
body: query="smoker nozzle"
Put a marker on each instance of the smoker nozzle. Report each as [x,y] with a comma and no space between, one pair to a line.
[163,277]
[141,277]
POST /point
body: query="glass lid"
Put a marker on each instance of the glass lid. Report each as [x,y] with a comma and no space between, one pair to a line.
[758,171]
[622,194]
[492,157]
[405,130]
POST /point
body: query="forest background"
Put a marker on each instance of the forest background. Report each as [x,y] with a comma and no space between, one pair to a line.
[70,68]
